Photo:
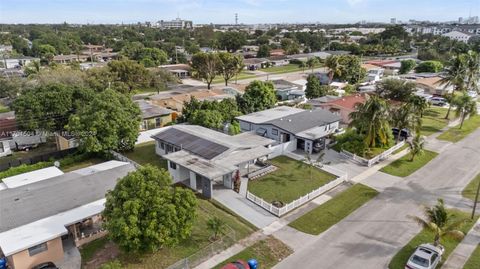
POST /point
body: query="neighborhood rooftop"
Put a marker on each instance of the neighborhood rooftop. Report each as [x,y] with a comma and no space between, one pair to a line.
[305,120]
[270,114]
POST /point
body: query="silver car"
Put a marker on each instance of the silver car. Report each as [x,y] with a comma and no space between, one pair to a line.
[426,256]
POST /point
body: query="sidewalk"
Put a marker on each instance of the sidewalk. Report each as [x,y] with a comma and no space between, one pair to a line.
[462,252]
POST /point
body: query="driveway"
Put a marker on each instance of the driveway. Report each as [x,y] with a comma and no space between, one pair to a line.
[371,236]
[71,256]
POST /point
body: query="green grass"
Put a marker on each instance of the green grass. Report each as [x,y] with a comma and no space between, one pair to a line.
[471,189]
[474,261]
[242,75]
[145,154]
[286,69]
[4,108]
[88,250]
[426,236]
[198,240]
[289,182]
[81,164]
[404,167]
[456,134]
[267,252]
[401,149]
[433,120]
[331,212]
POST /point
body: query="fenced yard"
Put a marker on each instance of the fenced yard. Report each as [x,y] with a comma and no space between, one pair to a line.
[378,158]
[293,184]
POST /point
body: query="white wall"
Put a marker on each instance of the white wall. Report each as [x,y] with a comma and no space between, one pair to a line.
[246,127]
[5,145]
[179,174]
[280,149]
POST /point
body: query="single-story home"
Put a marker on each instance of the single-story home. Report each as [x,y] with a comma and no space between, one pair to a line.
[278,60]
[200,157]
[374,73]
[17,62]
[255,63]
[391,67]
[46,213]
[432,85]
[181,71]
[69,58]
[317,102]
[307,129]
[277,52]
[344,106]
[154,116]
[286,90]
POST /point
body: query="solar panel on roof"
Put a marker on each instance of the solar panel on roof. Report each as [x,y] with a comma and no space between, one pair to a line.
[194,144]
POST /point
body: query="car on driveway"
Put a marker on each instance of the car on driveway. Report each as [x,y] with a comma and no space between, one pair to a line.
[426,256]
[404,133]
[437,101]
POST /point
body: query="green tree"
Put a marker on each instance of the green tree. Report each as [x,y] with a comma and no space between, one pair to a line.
[259,95]
[129,73]
[416,146]
[429,67]
[312,62]
[346,68]
[145,213]
[465,106]
[302,65]
[407,65]
[403,117]
[46,53]
[418,104]
[205,66]
[371,119]
[395,89]
[229,65]
[334,67]
[472,67]
[455,76]
[314,89]
[217,226]
[110,121]
[263,51]
[207,118]
[112,265]
[232,41]
[290,46]
[440,222]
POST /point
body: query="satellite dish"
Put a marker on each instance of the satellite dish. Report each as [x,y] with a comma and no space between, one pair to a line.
[57,164]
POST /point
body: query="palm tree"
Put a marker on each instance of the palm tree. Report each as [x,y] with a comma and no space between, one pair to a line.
[371,119]
[216,225]
[473,70]
[403,117]
[439,222]
[455,76]
[417,146]
[312,62]
[466,106]
[419,104]
[334,67]
[302,65]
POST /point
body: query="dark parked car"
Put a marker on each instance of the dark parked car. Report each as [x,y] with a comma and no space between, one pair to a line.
[404,134]
[47,265]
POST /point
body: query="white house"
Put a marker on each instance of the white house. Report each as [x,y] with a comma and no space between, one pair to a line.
[459,36]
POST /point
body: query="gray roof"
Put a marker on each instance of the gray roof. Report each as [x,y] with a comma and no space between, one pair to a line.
[150,110]
[305,120]
[42,199]
[269,114]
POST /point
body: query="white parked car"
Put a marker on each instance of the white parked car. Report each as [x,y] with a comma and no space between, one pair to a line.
[426,256]
[437,101]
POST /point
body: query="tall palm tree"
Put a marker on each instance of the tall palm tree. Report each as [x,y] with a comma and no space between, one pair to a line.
[455,76]
[312,62]
[416,146]
[473,70]
[466,106]
[439,222]
[418,104]
[371,119]
[404,117]
[334,67]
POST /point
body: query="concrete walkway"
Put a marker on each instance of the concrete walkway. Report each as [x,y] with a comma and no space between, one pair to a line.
[462,252]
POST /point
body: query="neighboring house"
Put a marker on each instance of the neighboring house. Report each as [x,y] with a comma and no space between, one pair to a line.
[65,59]
[253,64]
[64,141]
[278,60]
[17,62]
[374,73]
[338,87]
[286,90]
[323,77]
[277,52]
[307,129]
[317,102]
[391,67]
[433,86]
[459,36]
[45,214]
[181,71]
[200,157]
[344,106]
[154,116]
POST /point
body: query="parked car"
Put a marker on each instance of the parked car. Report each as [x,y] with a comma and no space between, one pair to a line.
[404,133]
[426,256]
[437,101]
[47,265]
[237,265]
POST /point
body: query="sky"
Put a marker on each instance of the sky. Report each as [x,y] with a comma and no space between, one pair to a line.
[223,11]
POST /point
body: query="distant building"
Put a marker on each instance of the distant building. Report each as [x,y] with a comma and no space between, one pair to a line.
[175,24]
[459,36]
[393,21]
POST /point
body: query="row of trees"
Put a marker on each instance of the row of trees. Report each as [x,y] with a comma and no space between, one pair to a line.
[208,65]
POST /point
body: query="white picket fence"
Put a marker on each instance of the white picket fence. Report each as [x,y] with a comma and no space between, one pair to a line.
[280,211]
[369,162]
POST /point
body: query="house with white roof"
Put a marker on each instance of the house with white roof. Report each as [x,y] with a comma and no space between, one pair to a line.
[459,36]
[46,211]
[305,130]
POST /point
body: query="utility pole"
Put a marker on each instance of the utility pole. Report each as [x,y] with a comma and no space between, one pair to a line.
[476,201]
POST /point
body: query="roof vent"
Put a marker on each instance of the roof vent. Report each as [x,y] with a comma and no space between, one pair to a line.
[281,118]
[289,120]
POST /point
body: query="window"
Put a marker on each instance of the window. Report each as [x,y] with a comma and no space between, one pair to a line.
[173,165]
[274,132]
[37,249]
[162,146]
[158,122]
[144,125]
[1,147]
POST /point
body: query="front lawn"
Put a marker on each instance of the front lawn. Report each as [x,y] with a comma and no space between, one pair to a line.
[289,182]
[404,167]
[433,120]
[456,134]
[474,260]
[426,236]
[471,189]
[168,256]
[145,154]
[287,69]
[331,212]
[242,75]
[267,252]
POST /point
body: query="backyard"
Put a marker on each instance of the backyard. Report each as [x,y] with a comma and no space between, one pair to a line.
[433,120]
[331,212]
[267,252]
[456,134]
[102,251]
[289,182]
[404,167]
[471,189]
[426,236]
[145,154]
